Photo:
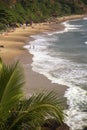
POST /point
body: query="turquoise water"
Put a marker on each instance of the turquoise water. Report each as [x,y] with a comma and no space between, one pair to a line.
[62,58]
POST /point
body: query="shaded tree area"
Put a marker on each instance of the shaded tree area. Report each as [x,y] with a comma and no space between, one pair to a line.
[20,11]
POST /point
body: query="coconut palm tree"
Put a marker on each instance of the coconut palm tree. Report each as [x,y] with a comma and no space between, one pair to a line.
[18,113]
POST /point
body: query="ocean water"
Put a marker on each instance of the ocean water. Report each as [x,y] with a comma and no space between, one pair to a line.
[62,58]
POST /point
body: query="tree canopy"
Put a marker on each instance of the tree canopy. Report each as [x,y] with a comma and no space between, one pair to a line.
[20,11]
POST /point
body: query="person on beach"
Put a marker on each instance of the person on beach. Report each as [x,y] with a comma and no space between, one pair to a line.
[24,25]
[31,23]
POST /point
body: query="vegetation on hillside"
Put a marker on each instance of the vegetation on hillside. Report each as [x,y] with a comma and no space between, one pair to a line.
[18,113]
[21,11]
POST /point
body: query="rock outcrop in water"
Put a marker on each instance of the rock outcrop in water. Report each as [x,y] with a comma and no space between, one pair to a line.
[52,124]
[85,128]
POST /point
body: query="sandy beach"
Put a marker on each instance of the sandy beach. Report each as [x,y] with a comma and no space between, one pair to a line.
[13,50]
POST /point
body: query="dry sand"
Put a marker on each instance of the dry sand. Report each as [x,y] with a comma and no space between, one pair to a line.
[13,50]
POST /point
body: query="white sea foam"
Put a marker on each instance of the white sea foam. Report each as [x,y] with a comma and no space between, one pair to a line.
[77,118]
[62,71]
[85,18]
[86,42]
[71,27]
[57,32]
[68,28]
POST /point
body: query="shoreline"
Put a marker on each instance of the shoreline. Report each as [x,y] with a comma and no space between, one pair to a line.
[39,82]
[13,50]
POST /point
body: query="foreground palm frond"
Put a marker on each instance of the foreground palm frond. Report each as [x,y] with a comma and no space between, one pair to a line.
[29,114]
[11,81]
[32,112]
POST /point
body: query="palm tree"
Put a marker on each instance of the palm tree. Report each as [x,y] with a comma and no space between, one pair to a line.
[17,113]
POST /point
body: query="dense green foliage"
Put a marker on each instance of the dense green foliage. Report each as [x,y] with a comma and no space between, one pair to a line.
[17,113]
[20,11]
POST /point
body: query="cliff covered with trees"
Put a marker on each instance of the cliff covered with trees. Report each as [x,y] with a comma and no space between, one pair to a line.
[21,11]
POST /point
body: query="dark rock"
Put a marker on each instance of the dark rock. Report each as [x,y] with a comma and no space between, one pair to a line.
[85,128]
[63,127]
[2,46]
[45,128]
[52,124]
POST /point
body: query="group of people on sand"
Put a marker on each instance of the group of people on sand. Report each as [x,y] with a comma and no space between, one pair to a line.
[27,24]
[12,27]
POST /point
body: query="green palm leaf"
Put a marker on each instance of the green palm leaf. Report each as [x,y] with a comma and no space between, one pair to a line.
[11,81]
[29,114]
[36,109]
